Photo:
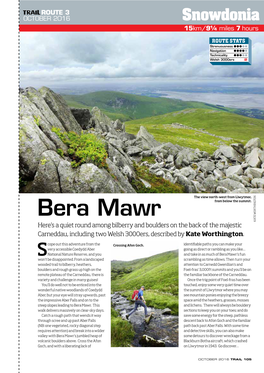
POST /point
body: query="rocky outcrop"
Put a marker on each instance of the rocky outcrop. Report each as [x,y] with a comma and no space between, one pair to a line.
[166,311]
[44,170]
[45,162]
[83,117]
[231,169]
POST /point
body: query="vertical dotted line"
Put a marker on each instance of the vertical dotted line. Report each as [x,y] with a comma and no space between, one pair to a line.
[18,262]
[18,284]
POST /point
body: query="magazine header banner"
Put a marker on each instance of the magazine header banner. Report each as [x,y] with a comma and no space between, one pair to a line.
[140,13]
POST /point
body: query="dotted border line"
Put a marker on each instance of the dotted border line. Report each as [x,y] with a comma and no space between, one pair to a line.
[18,284]
[18,228]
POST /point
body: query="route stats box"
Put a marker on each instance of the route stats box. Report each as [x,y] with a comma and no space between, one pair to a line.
[230,51]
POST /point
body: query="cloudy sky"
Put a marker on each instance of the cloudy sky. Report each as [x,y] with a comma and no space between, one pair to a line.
[57,58]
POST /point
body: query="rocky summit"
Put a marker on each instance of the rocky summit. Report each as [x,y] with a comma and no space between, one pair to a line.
[47,160]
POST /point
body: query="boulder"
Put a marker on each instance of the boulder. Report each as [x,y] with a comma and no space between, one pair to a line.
[185,157]
[241,179]
[230,184]
[124,136]
[210,184]
[258,183]
[256,190]
[244,165]
[118,126]
[170,159]
[188,172]
[234,170]
[192,156]
[168,176]
[206,166]
[239,148]
[47,179]
[251,144]
[160,173]
[133,150]
[167,148]
[100,121]
[218,174]
[179,160]
[145,140]
[198,186]
[254,172]
[145,183]
[261,156]
[33,143]
[120,177]
[184,181]
[229,153]
[246,178]
[166,311]
[36,136]
[122,161]
[239,190]
[55,175]
[117,143]
[146,153]
[222,164]
[221,189]
[147,341]
[34,110]
[91,179]
[154,167]
[60,109]
[254,158]
[67,176]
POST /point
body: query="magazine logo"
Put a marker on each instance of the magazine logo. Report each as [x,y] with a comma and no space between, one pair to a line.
[225,15]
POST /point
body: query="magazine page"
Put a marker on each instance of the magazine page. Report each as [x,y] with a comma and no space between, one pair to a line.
[141,181]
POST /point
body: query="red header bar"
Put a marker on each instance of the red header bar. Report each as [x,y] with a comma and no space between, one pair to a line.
[141,28]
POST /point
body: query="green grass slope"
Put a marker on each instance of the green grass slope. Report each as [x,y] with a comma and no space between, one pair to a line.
[159,275]
[220,123]
[125,106]
[122,332]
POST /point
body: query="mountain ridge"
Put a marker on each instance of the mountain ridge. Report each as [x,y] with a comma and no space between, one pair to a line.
[127,106]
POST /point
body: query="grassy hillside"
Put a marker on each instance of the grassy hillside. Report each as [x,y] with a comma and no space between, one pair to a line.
[220,123]
[122,332]
[129,106]
[158,113]
[159,275]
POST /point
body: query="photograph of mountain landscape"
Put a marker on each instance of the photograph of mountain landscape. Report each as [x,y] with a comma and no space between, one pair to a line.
[157,276]
[138,113]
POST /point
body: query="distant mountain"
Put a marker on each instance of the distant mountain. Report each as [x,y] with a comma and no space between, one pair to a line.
[125,106]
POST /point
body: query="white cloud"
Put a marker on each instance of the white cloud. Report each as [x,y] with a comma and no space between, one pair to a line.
[51,57]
